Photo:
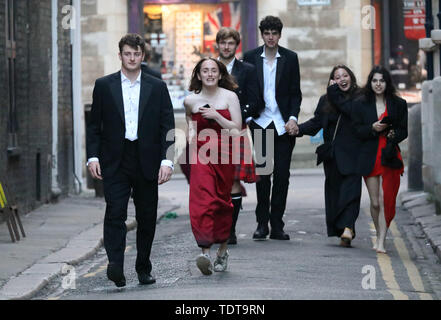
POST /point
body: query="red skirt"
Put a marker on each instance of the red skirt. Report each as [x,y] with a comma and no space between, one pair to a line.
[242,157]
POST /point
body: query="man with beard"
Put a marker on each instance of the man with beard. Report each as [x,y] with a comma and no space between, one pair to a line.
[228,40]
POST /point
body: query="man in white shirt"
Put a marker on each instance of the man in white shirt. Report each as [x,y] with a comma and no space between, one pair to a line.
[127,149]
[279,81]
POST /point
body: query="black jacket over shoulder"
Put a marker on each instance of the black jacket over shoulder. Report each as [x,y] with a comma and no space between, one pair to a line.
[106,128]
[346,144]
[288,93]
[364,115]
[248,91]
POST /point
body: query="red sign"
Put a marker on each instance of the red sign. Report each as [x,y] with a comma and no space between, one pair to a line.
[414,19]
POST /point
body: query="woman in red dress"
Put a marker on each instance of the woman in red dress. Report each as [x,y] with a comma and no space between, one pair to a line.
[213,116]
[380,120]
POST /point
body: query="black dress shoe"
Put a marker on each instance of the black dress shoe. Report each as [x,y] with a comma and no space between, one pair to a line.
[279,235]
[232,239]
[261,232]
[115,274]
[145,278]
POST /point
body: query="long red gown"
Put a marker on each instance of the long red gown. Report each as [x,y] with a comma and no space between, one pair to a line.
[211,179]
[390,177]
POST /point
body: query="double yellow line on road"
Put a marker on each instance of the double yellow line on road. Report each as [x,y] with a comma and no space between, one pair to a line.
[387,271]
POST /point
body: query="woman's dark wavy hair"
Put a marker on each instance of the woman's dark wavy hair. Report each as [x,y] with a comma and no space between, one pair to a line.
[353,90]
[390,91]
[226,81]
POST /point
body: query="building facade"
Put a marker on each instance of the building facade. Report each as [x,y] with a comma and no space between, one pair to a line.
[35,174]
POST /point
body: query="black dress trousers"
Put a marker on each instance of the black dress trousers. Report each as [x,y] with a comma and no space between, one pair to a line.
[271,204]
[117,191]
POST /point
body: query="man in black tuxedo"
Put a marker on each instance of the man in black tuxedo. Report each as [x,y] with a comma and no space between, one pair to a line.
[127,148]
[279,80]
[228,40]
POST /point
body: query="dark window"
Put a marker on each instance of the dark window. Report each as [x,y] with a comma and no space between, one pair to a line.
[11,56]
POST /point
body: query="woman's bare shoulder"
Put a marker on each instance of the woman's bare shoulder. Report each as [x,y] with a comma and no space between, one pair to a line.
[190,99]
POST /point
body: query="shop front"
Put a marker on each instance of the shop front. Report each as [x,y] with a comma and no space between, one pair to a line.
[180,33]
[401,25]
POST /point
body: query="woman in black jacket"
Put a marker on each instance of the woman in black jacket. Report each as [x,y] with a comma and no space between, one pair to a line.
[339,154]
[380,120]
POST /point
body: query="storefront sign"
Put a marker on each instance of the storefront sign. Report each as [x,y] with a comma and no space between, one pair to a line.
[313,2]
[414,19]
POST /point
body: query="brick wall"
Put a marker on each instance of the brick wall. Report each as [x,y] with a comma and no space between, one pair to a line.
[29,173]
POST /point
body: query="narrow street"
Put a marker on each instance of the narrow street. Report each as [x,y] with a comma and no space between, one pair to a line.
[309,266]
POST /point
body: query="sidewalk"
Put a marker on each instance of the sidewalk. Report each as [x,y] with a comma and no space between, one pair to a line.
[420,206]
[65,233]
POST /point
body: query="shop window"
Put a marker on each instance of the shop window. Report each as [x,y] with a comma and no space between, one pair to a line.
[181,34]
[403,24]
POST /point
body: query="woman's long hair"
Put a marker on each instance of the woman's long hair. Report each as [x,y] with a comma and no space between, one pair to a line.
[353,90]
[390,92]
[226,81]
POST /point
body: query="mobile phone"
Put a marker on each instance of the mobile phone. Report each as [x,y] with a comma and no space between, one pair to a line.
[206,106]
[386,120]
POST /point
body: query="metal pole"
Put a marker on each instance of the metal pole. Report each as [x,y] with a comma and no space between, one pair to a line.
[439,27]
[386,33]
[55,189]
[429,28]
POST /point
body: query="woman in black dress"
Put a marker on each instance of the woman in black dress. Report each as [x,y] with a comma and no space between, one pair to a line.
[343,183]
[380,121]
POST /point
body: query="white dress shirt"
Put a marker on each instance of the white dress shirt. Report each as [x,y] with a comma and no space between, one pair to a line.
[131,92]
[271,113]
[230,65]
[131,96]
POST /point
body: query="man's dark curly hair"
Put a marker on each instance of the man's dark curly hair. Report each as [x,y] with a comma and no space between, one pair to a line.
[271,23]
[133,40]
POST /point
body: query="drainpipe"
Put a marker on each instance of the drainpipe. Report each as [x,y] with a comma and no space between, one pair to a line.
[55,189]
[77,114]
[386,34]
[439,27]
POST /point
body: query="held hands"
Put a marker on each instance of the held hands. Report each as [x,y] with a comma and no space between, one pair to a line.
[292,128]
[95,170]
[164,175]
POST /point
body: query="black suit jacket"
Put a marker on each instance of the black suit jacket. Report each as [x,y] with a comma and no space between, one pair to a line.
[346,143]
[364,114]
[106,128]
[248,91]
[288,93]
[145,68]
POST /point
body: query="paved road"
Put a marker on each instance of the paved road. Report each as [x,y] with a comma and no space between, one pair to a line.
[309,266]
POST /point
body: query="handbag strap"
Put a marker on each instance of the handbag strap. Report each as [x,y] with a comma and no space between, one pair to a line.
[336,127]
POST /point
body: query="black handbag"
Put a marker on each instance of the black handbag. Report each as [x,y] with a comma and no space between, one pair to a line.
[325,151]
[389,156]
